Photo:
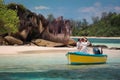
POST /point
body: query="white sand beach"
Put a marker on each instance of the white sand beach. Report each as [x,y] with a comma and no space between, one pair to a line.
[10,50]
[18,49]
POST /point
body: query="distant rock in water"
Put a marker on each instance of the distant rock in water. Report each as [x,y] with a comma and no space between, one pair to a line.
[103,46]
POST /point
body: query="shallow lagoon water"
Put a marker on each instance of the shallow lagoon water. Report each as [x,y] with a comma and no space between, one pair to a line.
[54,66]
[109,42]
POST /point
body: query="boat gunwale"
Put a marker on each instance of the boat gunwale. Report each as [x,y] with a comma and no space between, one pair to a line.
[86,54]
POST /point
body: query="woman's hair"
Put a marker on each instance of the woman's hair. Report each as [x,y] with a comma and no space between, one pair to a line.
[82,39]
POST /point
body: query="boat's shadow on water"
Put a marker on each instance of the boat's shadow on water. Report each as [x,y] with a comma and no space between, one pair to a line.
[74,72]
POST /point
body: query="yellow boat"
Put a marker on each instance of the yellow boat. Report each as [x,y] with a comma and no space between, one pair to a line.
[85,58]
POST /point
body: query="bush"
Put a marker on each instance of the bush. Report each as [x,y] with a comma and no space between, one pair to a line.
[8,20]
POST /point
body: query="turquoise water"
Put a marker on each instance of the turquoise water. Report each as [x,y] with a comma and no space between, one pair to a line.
[39,66]
[104,41]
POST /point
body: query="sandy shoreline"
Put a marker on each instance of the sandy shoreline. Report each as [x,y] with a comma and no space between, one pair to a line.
[4,50]
[20,49]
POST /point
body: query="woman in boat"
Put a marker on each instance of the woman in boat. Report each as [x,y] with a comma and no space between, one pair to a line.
[83,46]
[87,42]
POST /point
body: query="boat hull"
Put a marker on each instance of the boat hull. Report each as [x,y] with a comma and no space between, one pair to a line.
[84,58]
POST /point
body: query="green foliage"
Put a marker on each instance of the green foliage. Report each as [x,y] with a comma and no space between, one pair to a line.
[108,25]
[8,20]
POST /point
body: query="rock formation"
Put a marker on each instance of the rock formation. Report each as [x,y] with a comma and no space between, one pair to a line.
[33,26]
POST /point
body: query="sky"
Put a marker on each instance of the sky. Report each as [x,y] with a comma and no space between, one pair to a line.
[70,9]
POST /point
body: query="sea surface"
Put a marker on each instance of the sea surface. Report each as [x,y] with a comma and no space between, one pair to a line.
[41,66]
[109,42]
[54,66]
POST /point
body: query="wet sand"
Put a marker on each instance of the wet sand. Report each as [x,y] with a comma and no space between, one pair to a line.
[39,63]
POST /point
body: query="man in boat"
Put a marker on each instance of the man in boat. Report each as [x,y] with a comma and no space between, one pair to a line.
[78,44]
[97,50]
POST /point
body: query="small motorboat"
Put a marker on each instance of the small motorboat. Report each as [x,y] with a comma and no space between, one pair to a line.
[86,58]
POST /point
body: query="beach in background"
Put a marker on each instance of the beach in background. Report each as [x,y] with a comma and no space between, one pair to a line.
[50,63]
